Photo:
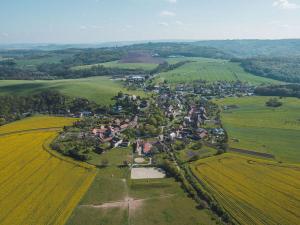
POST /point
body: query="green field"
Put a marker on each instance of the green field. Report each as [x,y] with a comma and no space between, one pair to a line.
[33,63]
[117,64]
[152,202]
[115,156]
[253,191]
[263,129]
[98,89]
[210,70]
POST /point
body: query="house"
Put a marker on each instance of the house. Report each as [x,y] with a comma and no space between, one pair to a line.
[201,133]
[125,144]
[85,114]
[172,136]
[147,147]
[115,142]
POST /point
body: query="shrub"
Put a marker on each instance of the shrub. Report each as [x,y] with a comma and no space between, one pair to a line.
[273,102]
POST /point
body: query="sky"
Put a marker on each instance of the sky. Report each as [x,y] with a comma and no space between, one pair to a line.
[96,21]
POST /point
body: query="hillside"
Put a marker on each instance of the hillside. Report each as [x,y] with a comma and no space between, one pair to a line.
[210,70]
[98,89]
[278,68]
[254,48]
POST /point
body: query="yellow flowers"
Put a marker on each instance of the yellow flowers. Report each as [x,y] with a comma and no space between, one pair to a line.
[253,191]
[37,187]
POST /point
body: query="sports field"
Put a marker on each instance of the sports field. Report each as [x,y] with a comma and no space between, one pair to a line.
[209,70]
[253,191]
[253,126]
[38,186]
[98,89]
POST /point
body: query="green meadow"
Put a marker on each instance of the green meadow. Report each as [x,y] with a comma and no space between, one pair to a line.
[117,64]
[154,202]
[209,70]
[253,126]
[98,89]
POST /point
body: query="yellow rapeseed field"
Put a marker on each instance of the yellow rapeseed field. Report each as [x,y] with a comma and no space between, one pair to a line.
[253,191]
[36,122]
[38,186]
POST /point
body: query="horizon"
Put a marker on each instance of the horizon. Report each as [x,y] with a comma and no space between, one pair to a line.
[102,21]
[146,41]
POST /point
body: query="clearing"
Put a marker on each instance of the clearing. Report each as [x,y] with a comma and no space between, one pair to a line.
[38,186]
[253,191]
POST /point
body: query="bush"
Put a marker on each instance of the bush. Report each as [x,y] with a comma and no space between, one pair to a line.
[273,102]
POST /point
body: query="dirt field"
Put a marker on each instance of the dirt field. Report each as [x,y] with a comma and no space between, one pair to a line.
[147,173]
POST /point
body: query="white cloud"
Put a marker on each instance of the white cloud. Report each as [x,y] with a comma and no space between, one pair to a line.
[167,13]
[179,23]
[285,4]
[165,24]
[172,1]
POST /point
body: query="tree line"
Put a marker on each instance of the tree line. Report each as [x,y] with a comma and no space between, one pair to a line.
[288,90]
[49,102]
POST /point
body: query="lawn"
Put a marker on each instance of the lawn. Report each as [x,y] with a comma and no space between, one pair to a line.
[115,156]
[38,186]
[188,153]
[253,126]
[210,70]
[253,191]
[98,89]
[120,65]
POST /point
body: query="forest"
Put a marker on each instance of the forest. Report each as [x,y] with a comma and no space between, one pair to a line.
[48,102]
[285,69]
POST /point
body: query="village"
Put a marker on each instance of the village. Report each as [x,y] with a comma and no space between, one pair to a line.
[164,122]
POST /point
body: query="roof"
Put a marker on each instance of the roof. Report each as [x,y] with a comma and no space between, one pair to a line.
[147,147]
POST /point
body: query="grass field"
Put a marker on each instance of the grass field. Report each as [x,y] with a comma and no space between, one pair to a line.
[188,153]
[210,70]
[98,89]
[114,156]
[253,191]
[114,199]
[120,65]
[263,129]
[33,63]
[37,186]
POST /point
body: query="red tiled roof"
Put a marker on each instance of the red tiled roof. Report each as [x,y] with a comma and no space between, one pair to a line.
[147,147]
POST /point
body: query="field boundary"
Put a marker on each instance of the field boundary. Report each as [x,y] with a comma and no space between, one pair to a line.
[252,153]
[31,130]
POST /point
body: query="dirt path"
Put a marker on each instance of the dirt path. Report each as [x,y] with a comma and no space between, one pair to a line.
[130,203]
[127,203]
